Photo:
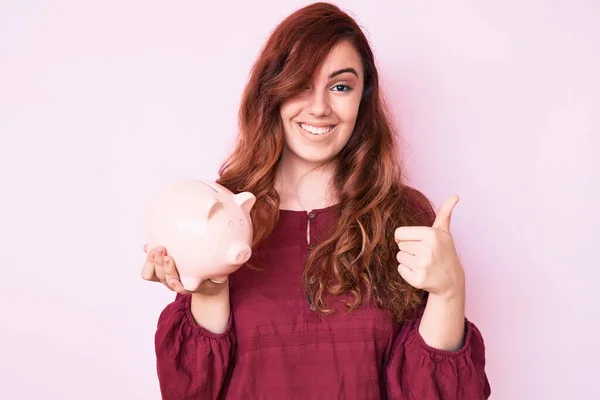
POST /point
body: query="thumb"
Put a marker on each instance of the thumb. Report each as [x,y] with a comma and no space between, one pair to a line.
[444,216]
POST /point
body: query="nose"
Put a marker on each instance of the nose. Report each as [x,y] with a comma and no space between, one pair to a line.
[318,103]
[238,254]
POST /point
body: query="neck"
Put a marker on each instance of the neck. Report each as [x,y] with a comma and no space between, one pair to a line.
[303,185]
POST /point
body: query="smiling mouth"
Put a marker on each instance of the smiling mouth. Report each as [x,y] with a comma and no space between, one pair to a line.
[316,130]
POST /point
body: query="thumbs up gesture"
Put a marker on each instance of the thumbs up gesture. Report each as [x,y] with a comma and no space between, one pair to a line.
[427,256]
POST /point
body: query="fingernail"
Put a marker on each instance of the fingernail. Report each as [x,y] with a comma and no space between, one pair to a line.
[165,260]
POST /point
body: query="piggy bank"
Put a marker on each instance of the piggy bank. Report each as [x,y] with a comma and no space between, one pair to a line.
[204,227]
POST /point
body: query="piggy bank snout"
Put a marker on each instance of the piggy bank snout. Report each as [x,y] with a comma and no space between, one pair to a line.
[238,254]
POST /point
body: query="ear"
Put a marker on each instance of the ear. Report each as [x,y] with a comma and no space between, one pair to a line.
[245,200]
[212,207]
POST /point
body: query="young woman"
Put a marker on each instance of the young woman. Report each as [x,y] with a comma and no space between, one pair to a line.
[354,289]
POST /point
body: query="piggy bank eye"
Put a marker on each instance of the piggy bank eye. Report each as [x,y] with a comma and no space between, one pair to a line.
[241,222]
[231,224]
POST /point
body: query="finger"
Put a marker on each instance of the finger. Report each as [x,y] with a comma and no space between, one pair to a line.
[178,287]
[407,259]
[170,270]
[444,216]
[148,268]
[406,273]
[414,278]
[172,276]
[159,268]
[413,233]
[415,248]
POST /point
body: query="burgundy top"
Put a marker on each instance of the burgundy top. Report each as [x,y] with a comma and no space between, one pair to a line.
[276,347]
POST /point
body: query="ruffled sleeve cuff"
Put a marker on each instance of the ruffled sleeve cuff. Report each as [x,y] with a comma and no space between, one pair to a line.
[417,370]
[185,302]
[192,362]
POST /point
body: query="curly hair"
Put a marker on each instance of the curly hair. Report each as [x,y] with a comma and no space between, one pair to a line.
[359,258]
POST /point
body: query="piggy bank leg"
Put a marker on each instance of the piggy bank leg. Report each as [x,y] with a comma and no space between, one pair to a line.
[218,279]
[190,283]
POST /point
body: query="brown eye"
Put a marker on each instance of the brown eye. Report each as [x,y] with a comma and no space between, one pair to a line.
[340,87]
[231,224]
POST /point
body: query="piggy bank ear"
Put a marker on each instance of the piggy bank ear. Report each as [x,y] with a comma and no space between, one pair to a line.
[212,206]
[245,200]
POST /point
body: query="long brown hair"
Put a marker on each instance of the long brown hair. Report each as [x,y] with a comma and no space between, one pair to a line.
[359,258]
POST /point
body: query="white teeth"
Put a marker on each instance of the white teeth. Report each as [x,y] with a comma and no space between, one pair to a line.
[314,130]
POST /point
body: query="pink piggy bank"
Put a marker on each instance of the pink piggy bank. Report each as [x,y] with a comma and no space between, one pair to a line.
[204,227]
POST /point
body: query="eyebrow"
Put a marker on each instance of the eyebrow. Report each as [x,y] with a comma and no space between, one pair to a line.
[341,71]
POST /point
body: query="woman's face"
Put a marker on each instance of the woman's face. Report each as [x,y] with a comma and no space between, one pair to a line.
[319,123]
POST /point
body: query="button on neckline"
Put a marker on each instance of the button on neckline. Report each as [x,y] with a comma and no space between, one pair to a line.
[311,214]
[312,280]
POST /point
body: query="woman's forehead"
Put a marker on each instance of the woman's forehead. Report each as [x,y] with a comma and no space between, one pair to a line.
[341,57]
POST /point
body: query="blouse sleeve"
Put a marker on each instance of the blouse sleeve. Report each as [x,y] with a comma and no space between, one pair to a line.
[192,362]
[415,370]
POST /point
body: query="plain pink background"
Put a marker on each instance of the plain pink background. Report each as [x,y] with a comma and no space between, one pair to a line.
[102,103]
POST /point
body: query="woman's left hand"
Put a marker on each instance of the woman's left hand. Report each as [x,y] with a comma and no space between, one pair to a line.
[428,258]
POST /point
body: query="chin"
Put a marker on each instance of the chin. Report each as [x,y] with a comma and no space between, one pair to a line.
[314,159]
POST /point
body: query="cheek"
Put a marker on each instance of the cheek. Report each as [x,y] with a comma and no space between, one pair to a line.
[288,110]
[347,109]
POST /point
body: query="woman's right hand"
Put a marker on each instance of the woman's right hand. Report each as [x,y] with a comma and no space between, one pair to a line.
[160,267]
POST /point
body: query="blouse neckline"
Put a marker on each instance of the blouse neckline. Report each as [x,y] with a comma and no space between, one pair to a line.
[315,211]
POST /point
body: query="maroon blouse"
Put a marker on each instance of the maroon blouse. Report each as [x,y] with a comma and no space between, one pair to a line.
[276,347]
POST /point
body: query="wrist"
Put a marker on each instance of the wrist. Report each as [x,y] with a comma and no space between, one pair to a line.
[442,324]
[452,294]
[448,297]
[211,311]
